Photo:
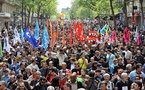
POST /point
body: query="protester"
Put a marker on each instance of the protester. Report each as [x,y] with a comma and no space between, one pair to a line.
[90,59]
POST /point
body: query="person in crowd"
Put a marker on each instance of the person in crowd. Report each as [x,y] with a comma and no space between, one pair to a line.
[3,86]
[110,85]
[11,84]
[41,85]
[105,64]
[136,72]
[44,70]
[77,69]
[123,84]
[83,62]
[36,80]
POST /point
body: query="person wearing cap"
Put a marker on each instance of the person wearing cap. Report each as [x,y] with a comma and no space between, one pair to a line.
[110,85]
[97,56]
[63,70]
[103,63]
[98,75]
[110,57]
[99,66]
[6,76]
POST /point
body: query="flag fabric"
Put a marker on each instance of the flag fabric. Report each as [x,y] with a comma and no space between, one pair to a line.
[1,51]
[36,32]
[113,36]
[71,36]
[31,39]
[22,35]
[16,37]
[47,25]
[77,28]
[136,35]
[143,27]
[45,38]
[57,30]
[126,35]
[63,35]
[103,30]
[139,40]
[51,33]
[6,44]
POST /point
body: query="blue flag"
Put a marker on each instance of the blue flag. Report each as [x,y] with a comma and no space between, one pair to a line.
[36,32]
[143,27]
[103,30]
[45,38]
[22,35]
[31,39]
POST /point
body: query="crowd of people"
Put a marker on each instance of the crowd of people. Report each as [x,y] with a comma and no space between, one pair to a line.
[104,66]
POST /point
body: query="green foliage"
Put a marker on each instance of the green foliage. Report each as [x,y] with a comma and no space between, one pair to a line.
[98,7]
[47,7]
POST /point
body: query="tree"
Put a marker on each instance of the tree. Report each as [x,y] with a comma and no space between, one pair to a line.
[141,4]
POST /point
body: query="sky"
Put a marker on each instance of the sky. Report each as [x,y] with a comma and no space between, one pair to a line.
[63,4]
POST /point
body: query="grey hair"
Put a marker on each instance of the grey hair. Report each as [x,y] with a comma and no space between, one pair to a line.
[3,82]
[128,66]
[50,88]
[123,75]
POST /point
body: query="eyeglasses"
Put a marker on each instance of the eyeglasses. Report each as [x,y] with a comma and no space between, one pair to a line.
[76,63]
[21,86]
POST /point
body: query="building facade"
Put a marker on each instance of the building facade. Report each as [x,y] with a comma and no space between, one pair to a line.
[6,10]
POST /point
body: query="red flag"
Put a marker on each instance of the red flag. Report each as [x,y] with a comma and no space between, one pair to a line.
[126,35]
[139,40]
[71,36]
[77,28]
[113,36]
[63,35]
[80,31]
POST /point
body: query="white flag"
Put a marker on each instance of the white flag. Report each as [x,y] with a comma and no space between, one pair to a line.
[16,37]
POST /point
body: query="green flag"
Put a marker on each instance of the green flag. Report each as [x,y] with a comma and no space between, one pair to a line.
[1,53]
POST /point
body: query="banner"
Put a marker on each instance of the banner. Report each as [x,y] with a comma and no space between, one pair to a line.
[92,41]
[92,34]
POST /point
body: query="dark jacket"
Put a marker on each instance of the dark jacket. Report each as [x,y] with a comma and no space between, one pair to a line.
[92,84]
[40,87]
